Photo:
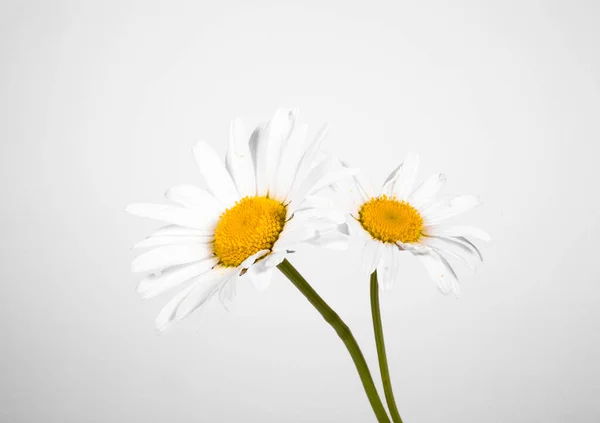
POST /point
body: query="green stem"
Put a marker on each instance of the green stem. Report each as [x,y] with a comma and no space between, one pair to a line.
[383,365]
[343,332]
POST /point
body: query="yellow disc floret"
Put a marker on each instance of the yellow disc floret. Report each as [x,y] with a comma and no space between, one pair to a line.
[390,220]
[252,225]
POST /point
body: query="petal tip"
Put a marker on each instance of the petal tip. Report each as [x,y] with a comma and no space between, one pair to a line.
[132,208]
[160,327]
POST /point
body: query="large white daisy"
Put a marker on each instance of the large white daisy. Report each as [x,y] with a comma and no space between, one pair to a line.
[260,206]
[402,218]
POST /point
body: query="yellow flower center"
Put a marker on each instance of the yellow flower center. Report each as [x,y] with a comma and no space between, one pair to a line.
[252,225]
[390,220]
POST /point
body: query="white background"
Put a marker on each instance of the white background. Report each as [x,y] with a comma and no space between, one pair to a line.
[100,104]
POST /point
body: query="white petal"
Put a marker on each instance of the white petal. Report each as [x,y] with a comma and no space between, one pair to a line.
[433,207]
[427,190]
[254,144]
[176,230]
[301,191]
[414,248]
[215,174]
[206,286]
[332,177]
[302,221]
[333,215]
[389,186]
[447,253]
[260,275]
[371,255]
[287,126]
[317,207]
[275,258]
[407,176]
[293,236]
[239,161]
[157,241]
[170,255]
[197,199]
[363,189]
[459,245]
[290,158]
[441,272]
[331,235]
[356,229]
[228,290]
[153,285]
[325,225]
[389,266]
[250,260]
[471,245]
[464,231]
[269,149]
[279,130]
[457,206]
[310,202]
[167,314]
[332,240]
[455,245]
[307,161]
[170,214]
[354,192]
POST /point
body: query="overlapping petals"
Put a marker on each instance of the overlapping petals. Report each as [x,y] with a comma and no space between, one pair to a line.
[440,242]
[273,161]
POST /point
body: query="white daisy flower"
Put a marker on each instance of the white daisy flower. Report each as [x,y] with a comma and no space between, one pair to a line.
[260,206]
[404,218]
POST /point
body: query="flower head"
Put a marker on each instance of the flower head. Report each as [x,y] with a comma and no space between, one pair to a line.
[404,218]
[260,206]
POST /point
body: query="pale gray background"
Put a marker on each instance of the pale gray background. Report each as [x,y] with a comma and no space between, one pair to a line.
[101,103]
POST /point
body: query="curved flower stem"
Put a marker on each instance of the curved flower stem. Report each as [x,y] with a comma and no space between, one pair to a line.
[383,365]
[343,332]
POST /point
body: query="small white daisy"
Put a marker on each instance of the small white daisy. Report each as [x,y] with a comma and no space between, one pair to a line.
[260,206]
[404,218]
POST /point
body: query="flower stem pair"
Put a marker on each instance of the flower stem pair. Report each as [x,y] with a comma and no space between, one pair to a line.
[349,341]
